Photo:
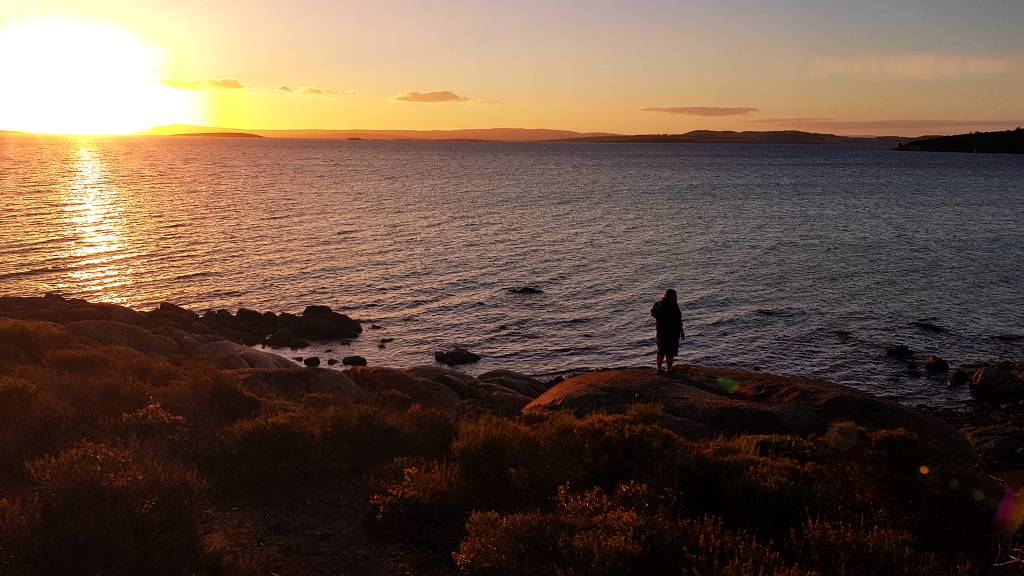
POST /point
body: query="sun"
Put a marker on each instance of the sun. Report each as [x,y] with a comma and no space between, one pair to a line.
[71,76]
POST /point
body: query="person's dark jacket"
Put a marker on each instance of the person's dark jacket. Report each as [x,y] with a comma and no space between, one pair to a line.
[669,320]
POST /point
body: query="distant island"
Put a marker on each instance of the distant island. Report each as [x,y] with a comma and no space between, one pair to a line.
[752,137]
[1004,142]
[546,135]
[221,134]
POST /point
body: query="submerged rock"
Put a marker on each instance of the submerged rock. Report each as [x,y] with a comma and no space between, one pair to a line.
[958,378]
[936,365]
[456,356]
[927,326]
[900,351]
[525,290]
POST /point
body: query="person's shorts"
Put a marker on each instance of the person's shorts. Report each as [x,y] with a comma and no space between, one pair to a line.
[668,347]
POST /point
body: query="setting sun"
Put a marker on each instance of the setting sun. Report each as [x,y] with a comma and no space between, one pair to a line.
[67,76]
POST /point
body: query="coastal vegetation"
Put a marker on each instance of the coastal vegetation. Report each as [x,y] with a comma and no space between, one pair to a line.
[115,460]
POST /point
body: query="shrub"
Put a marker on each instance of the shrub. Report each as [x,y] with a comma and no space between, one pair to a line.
[105,509]
[844,549]
[425,506]
[229,400]
[23,341]
[270,452]
[646,412]
[30,424]
[600,534]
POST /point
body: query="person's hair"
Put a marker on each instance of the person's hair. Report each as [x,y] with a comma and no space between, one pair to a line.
[670,295]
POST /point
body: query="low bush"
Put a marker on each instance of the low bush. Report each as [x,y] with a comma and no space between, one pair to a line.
[102,509]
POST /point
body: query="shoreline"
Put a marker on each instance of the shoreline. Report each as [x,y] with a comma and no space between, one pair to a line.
[250,340]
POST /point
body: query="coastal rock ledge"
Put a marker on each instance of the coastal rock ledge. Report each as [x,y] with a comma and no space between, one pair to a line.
[699,401]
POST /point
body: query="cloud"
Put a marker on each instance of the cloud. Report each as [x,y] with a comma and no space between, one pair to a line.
[909,67]
[438,96]
[314,92]
[702,110]
[224,83]
[915,125]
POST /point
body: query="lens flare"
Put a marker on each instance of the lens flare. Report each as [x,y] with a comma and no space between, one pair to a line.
[1010,514]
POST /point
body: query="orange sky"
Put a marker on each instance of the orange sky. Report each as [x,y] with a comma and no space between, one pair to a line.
[924,66]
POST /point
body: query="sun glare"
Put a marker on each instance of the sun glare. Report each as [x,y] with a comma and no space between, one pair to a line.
[65,76]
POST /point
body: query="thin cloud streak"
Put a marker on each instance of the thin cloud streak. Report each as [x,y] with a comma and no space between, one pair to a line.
[223,83]
[314,92]
[909,67]
[437,96]
[702,110]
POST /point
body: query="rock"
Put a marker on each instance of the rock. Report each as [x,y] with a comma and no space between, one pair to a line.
[111,333]
[936,365]
[927,326]
[998,382]
[428,393]
[332,361]
[456,356]
[464,385]
[703,401]
[525,290]
[519,383]
[297,358]
[228,354]
[312,361]
[353,361]
[294,382]
[958,378]
[312,310]
[1009,337]
[386,340]
[901,351]
[375,326]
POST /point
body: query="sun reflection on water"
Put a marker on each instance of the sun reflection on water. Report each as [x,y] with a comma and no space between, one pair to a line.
[94,218]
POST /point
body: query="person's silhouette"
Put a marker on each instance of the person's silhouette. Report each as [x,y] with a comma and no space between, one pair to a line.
[670,327]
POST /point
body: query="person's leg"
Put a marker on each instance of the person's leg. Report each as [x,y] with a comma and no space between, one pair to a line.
[669,360]
[659,361]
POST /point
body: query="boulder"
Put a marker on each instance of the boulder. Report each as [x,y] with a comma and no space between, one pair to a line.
[228,354]
[456,356]
[425,392]
[998,382]
[353,361]
[312,361]
[461,383]
[520,383]
[293,383]
[702,401]
[111,333]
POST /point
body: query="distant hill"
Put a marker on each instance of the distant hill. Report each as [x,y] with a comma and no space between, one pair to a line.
[731,137]
[1005,142]
[472,134]
[221,134]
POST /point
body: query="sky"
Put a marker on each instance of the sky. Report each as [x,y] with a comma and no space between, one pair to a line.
[906,67]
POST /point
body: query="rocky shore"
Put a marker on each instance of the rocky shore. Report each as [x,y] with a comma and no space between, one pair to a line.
[698,401]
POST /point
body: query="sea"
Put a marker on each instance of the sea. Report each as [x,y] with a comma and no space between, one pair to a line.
[809,260]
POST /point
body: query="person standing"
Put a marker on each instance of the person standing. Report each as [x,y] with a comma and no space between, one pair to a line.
[669,326]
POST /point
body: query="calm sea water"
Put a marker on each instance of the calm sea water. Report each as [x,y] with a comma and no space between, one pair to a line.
[805,260]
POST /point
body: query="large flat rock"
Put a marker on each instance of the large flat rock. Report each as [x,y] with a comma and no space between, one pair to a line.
[703,401]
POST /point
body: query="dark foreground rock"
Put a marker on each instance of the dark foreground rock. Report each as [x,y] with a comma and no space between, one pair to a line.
[701,401]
